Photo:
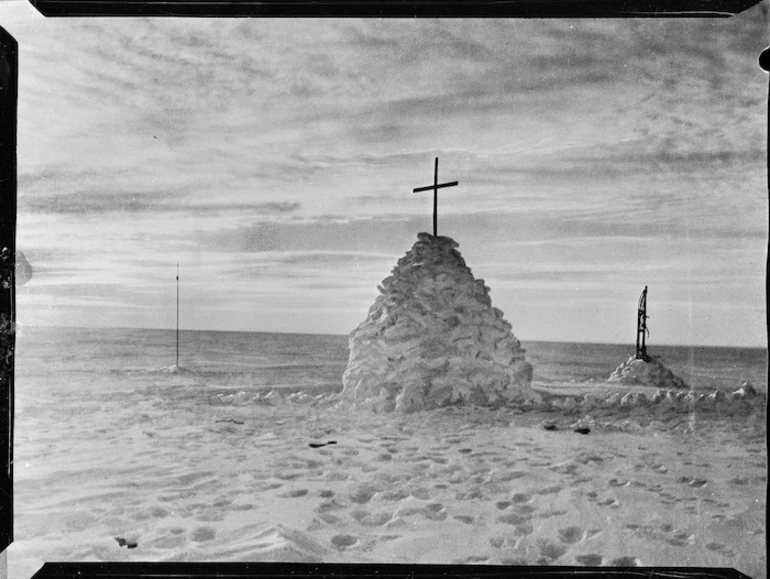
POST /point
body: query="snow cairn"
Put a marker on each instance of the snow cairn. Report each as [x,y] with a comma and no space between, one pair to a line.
[650,372]
[432,339]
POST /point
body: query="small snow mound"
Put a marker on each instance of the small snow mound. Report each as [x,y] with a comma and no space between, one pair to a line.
[174,369]
[238,399]
[242,398]
[432,339]
[651,372]
[303,398]
[747,391]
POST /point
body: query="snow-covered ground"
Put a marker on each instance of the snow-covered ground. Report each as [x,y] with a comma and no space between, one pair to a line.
[201,475]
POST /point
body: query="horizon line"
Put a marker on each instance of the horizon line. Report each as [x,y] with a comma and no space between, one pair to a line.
[587,342]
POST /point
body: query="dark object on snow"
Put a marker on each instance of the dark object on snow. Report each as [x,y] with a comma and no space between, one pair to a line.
[551,427]
[128,544]
[320,444]
[583,430]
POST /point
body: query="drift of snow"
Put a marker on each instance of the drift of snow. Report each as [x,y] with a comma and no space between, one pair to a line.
[646,373]
[432,339]
[174,369]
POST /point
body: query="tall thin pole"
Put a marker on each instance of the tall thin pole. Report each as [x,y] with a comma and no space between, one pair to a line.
[177,314]
[435,198]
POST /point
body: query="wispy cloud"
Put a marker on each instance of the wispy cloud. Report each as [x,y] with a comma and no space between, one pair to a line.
[83,202]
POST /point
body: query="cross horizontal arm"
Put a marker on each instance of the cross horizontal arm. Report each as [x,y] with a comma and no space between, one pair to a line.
[431,187]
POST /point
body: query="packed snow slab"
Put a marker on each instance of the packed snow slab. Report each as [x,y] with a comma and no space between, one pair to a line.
[648,372]
[432,338]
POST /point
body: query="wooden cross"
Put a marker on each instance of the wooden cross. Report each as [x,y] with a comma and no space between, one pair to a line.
[436,186]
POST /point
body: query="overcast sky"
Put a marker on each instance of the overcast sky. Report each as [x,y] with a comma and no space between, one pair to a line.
[275,159]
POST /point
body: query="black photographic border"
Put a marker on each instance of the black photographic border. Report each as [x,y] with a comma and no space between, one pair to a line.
[268,9]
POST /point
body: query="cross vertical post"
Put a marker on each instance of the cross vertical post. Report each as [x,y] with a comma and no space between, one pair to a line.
[435,187]
[435,198]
